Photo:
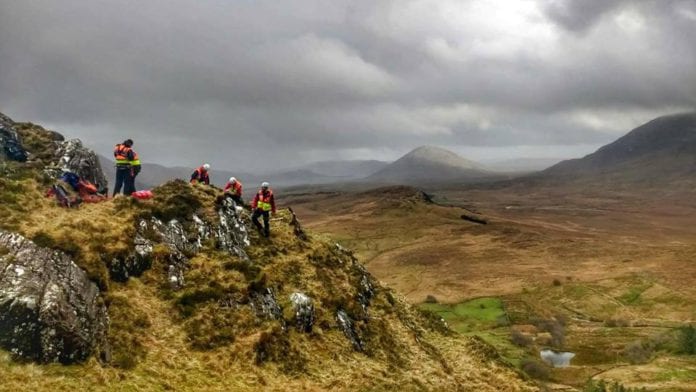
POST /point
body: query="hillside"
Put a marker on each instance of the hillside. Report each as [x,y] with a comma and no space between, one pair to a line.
[196,301]
[430,165]
[659,153]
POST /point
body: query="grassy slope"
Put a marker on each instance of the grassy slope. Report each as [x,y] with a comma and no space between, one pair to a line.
[164,340]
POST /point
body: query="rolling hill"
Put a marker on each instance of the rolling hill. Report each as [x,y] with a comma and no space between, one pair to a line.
[429,164]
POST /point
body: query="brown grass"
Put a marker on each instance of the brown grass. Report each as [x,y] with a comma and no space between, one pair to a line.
[205,336]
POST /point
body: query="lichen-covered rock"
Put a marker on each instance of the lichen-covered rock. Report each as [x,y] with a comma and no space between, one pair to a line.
[138,261]
[366,290]
[345,323]
[49,310]
[231,233]
[304,312]
[10,144]
[264,304]
[74,157]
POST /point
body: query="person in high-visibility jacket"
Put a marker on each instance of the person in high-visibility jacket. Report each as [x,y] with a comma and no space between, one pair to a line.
[233,188]
[123,155]
[200,175]
[135,170]
[263,205]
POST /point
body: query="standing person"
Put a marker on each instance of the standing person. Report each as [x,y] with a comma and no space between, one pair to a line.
[262,205]
[234,189]
[200,175]
[123,155]
[135,170]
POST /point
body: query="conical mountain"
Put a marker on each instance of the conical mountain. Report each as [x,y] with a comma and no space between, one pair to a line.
[432,165]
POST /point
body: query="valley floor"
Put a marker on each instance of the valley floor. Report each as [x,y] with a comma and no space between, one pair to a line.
[614,270]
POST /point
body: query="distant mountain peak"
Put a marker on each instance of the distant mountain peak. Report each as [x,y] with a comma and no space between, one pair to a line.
[441,156]
[430,164]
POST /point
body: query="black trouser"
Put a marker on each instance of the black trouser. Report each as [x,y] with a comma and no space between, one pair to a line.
[237,200]
[130,183]
[255,218]
[123,173]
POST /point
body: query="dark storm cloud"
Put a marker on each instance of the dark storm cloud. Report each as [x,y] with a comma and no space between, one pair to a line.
[227,80]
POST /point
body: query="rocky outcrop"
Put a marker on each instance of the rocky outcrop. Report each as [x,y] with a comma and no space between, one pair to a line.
[49,310]
[10,144]
[138,261]
[264,304]
[74,157]
[183,241]
[231,233]
[304,312]
[346,324]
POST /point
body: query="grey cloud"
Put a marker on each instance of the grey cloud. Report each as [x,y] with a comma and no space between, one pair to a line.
[578,15]
[227,80]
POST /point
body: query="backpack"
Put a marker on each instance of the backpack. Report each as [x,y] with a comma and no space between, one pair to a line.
[72,179]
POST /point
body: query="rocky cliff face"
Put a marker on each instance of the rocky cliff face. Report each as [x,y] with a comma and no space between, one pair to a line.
[49,310]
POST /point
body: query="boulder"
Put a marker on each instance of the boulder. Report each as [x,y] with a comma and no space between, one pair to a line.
[10,144]
[49,310]
[74,157]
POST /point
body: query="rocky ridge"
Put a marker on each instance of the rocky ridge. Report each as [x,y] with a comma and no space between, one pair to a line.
[185,276]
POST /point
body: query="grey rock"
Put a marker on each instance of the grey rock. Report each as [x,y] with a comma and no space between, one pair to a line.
[346,324]
[304,312]
[231,233]
[366,290]
[264,304]
[74,157]
[49,310]
[138,261]
[10,142]
[175,276]
[183,241]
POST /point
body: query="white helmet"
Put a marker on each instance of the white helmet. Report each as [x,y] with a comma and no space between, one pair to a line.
[232,179]
[206,166]
[265,184]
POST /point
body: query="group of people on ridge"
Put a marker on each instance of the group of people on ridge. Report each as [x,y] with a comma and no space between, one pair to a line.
[128,167]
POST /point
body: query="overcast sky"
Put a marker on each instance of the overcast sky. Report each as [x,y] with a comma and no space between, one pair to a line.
[253,84]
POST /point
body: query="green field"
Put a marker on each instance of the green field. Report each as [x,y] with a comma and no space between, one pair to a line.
[471,316]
